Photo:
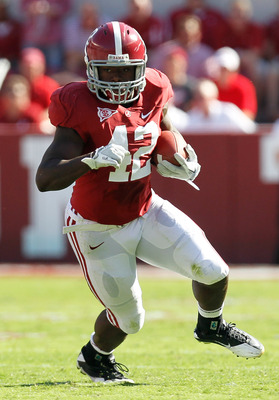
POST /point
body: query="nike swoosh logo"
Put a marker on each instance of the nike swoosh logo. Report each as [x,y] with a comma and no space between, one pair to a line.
[95,247]
[143,116]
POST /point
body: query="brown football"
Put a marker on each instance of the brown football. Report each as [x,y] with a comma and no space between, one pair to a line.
[167,145]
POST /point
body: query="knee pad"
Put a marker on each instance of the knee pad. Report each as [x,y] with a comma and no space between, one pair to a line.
[210,271]
[128,320]
[132,323]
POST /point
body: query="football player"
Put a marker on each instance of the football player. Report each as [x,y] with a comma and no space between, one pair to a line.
[106,131]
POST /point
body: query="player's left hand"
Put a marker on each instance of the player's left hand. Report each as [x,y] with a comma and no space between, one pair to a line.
[188,169]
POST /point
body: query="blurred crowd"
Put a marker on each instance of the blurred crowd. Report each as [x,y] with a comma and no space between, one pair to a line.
[224,67]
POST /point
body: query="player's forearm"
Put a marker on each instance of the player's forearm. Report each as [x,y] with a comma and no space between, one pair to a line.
[59,174]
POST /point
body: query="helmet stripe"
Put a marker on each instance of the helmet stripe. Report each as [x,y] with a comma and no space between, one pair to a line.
[117,37]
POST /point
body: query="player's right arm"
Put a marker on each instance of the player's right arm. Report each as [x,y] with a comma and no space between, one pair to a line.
[64,161]
[61,164]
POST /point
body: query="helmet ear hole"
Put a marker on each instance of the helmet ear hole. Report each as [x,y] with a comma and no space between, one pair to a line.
[115,44]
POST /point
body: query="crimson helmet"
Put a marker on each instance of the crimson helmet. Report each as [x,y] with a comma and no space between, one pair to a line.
[115,44]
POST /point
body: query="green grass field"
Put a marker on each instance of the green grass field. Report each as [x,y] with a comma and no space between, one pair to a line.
[46,320]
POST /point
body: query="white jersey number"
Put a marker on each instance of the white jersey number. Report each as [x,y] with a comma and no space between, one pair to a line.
[138,170]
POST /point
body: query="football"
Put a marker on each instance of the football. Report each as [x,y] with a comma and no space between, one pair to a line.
[167,145]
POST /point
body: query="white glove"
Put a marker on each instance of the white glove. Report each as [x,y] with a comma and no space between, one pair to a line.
[187,171]
[111,155]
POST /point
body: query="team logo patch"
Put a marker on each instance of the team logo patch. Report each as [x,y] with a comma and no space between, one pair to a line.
[214,325]
[105,113]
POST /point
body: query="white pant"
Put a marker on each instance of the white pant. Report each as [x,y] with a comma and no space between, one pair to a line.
[164,237]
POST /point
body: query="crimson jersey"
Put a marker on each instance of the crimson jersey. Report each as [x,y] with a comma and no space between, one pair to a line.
[109,195]
[240,91]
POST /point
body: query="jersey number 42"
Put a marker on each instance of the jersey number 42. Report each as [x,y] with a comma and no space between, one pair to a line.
[140,160]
